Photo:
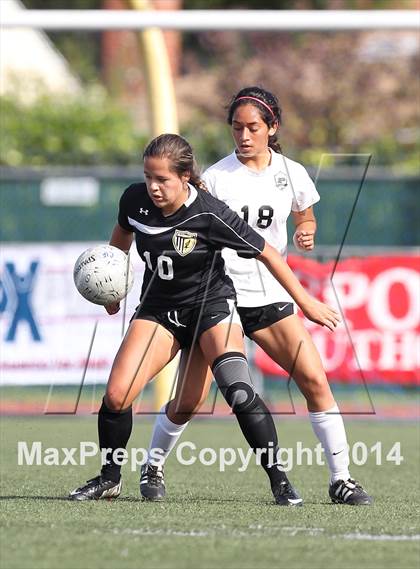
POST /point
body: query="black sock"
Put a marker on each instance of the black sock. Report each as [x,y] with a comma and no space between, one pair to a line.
[231,372]
[258,427]
[114,429]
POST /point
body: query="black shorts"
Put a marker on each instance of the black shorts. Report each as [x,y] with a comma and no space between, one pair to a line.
[255,318]
[186,324]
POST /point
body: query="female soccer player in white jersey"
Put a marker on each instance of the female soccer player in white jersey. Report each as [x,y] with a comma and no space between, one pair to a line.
[180,230]
[264,187]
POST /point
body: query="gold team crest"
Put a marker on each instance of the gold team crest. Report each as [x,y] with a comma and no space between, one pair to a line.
[184,241]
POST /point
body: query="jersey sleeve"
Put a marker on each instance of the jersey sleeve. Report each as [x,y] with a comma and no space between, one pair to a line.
[227,229]
[123,210]
[209,179]
[304,192]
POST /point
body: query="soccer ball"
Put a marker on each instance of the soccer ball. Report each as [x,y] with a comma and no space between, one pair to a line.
[103,274]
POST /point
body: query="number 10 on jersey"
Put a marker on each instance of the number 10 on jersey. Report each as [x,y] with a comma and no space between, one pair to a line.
[164,266]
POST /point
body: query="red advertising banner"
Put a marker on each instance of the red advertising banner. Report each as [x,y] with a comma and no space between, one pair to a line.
[379,339]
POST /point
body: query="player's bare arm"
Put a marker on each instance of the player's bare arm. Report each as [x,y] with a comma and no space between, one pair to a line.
[313,309]
[122,239]
[305,229]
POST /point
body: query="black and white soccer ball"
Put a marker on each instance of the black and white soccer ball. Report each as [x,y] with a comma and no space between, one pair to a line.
[103,274]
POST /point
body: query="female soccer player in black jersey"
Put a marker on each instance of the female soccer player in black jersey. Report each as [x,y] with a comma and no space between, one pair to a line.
[186,301]
[266,188]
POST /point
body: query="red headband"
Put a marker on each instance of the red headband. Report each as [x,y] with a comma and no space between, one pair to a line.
[258,101]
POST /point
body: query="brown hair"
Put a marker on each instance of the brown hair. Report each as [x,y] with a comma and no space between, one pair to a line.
[180,154]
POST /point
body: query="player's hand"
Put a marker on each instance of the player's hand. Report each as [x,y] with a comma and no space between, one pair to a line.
[321,314]
[304,240]
[112,308]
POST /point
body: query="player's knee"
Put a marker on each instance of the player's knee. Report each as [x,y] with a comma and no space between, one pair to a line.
[240,396]
[116,400]
[232,376]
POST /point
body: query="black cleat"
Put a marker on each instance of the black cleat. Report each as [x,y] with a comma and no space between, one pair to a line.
[349,492]
[285,494]
[152,483]
[97,489]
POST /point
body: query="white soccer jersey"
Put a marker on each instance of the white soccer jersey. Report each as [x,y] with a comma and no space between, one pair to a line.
[264,199]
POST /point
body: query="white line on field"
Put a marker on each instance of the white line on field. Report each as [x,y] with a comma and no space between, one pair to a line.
[290,531]
[152,532]
[294,530]
[383,537]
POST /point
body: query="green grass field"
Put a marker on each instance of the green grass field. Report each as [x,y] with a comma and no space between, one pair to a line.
[210,519]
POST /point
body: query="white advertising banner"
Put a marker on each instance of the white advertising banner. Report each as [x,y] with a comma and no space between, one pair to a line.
[46,327]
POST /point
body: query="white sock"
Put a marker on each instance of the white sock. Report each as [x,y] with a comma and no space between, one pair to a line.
[328,426]
[165,436]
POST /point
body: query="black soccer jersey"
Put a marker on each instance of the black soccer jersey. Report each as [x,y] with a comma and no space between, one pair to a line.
[182,251]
